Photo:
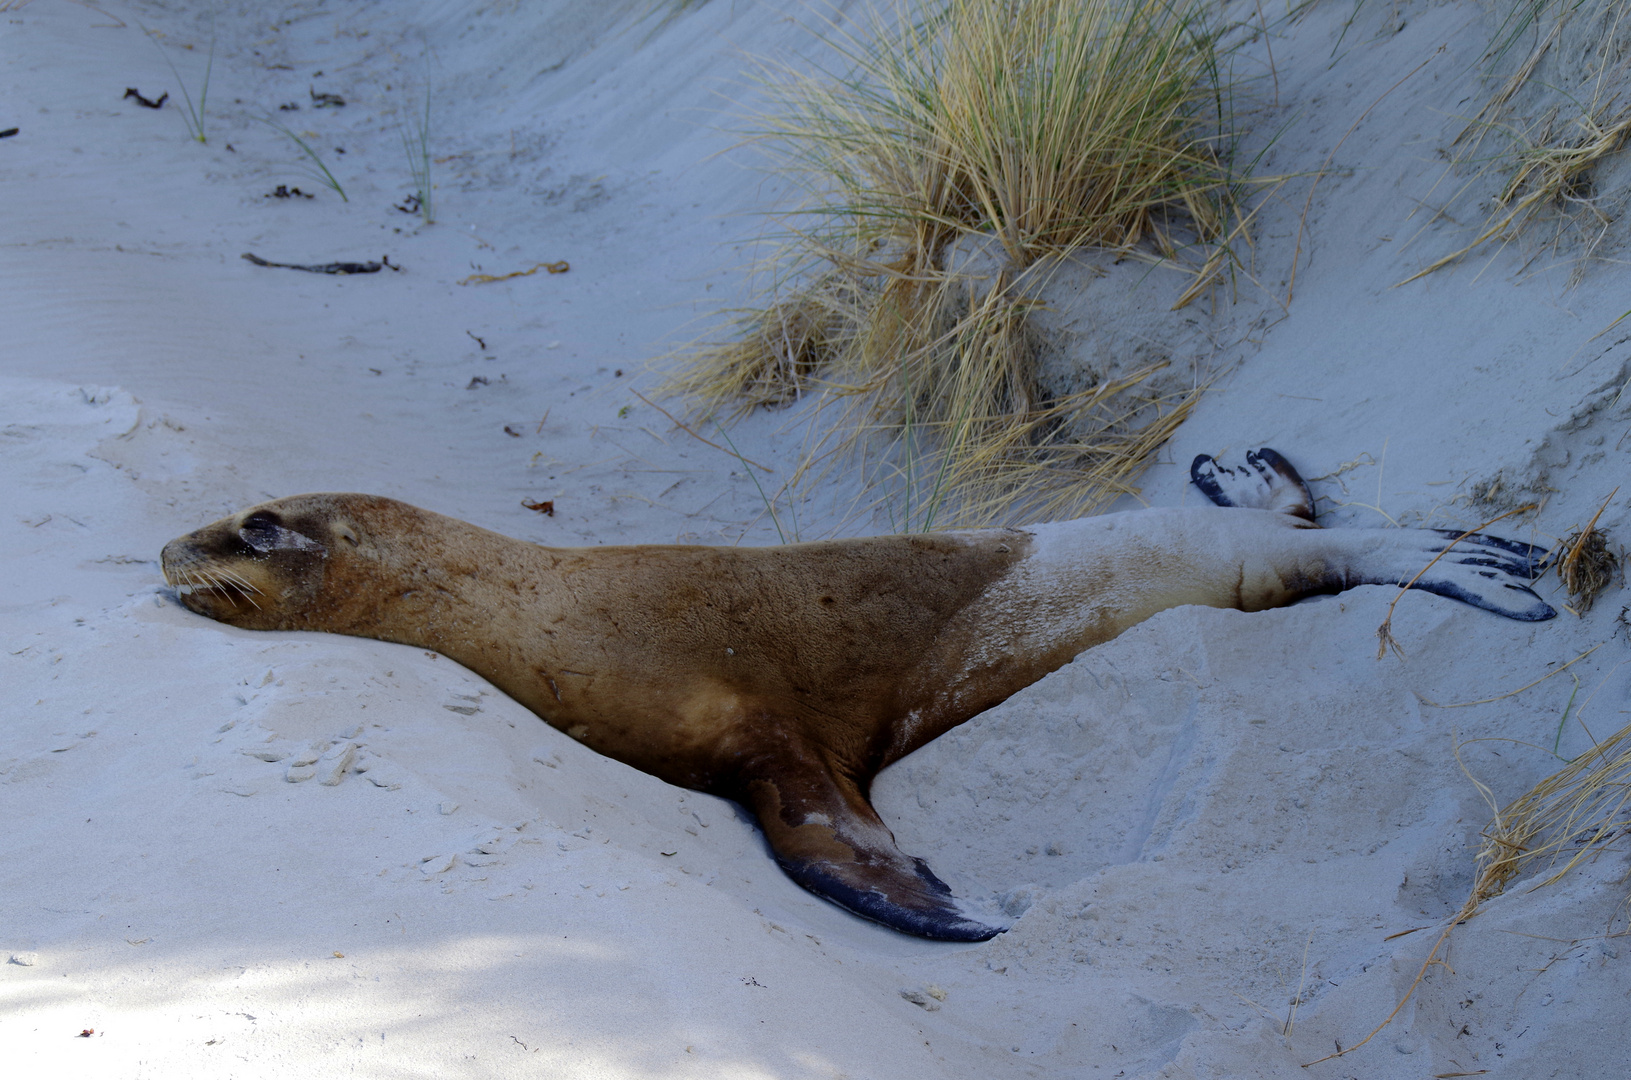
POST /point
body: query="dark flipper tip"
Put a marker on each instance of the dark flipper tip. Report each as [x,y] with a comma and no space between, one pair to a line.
[829,839]
[938,922]
[1203,474]
[1512,601]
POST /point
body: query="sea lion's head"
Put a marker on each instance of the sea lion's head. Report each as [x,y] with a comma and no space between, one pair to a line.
[282,565]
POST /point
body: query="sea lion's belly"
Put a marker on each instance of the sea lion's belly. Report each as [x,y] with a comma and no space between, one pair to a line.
[689,664]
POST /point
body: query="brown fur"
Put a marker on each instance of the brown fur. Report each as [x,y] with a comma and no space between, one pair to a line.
[656,656]
[783,677]
[752,673]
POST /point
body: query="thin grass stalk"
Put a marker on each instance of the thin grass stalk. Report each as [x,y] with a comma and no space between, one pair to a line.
[320,172]
[194,116]
[416,144]
[770,505]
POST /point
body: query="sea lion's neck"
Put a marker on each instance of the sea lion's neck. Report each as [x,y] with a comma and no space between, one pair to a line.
[434,586]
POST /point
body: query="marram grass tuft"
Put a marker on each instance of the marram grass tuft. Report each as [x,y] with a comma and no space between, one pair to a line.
[1025,129]
[1571,817]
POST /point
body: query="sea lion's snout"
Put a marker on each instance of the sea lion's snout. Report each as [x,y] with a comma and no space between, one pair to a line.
[252,569]
[204,581]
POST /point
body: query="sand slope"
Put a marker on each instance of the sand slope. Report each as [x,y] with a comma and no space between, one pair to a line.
[1191,823]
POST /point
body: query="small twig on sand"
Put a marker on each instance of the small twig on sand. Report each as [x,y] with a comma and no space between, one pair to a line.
[482,279]
[325,268]
[151,103]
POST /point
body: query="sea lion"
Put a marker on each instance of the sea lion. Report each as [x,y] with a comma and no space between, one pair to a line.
[787,677]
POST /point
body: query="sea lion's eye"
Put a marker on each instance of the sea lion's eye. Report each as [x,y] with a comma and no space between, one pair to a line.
[260,530]
[264,531]
[345,532]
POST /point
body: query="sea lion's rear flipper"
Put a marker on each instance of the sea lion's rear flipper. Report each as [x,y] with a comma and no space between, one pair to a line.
[1486,572]
[829,839]
[1265,482]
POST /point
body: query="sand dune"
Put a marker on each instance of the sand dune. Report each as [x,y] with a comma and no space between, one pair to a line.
[1195,825]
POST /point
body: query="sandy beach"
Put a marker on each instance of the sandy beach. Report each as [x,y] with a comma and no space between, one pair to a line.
[1227,841]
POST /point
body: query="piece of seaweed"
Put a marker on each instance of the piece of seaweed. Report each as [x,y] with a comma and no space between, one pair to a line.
[327,268]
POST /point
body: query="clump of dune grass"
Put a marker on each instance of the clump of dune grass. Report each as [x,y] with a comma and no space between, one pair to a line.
[1576,120]
[1049,123]
[1551,173]
[958,432]
[1587,564]
[775,354]
[1568,818]
[1028,129]
[1590,567]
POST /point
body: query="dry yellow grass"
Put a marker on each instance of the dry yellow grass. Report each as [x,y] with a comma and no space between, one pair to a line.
[1552,156]
[1032,128]
[1570,817]
[776,355]
[1587,564]
[1049,123]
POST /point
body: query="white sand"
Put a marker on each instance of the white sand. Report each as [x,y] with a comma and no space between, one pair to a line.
[1196,820]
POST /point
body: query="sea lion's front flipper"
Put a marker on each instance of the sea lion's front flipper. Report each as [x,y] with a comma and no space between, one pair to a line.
[829,839]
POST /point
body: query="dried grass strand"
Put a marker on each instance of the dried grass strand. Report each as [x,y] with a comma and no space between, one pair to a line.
[1589,565]
[1519,690]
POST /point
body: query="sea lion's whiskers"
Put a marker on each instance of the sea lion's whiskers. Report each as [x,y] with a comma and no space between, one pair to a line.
[216,579]
[227,580]
[237,579]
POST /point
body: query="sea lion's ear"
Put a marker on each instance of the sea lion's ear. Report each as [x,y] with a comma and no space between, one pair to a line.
[829,839]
